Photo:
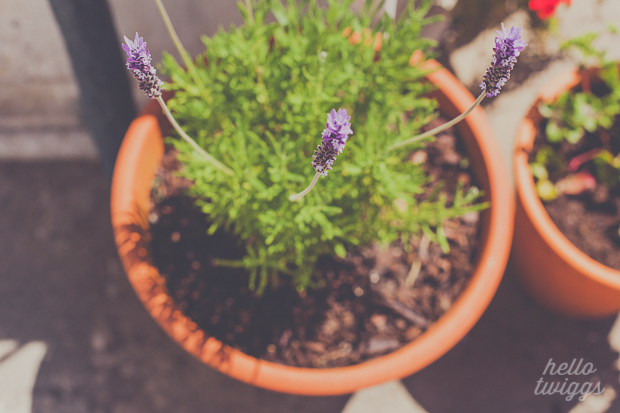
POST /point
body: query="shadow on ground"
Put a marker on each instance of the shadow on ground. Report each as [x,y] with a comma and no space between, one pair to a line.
[495,368]
[62,283]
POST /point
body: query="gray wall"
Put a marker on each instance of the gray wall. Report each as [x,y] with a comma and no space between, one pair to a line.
[38,89]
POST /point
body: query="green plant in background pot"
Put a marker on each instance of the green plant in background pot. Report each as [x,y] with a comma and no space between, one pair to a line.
[582,147]
[576,117]
[567,174]
[255,102]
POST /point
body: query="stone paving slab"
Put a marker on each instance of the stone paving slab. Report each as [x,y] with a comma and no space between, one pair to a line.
[19,367]
[391,397]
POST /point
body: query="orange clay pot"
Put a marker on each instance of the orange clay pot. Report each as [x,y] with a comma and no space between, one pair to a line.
[558,274]
[140,155]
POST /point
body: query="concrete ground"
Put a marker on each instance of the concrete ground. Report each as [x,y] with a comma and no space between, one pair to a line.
[65,303]
[74,337]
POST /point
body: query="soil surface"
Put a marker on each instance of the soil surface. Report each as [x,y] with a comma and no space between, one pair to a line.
[374,302]
[591,219]
[592,227]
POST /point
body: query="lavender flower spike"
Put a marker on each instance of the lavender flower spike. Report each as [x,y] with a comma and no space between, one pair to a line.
[508,45]
[332,144]
[139,63]
[334,139]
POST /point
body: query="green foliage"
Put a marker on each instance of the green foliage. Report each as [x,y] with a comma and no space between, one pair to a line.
[574,114]
[260,109]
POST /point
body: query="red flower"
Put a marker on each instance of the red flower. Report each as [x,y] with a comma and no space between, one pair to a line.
[545,8]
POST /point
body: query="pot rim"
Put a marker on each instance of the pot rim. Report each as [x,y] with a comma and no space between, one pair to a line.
[526,188]
[432,344]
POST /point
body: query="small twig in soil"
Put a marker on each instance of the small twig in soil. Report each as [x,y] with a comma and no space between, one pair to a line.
[425,242]
[406,312]
[414,271]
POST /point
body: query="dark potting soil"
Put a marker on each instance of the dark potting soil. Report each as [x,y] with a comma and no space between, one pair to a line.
[591,219]
[374,301]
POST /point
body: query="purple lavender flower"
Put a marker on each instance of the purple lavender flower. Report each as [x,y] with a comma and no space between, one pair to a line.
[338,128]
[324,157]
[338,122]
[139,63]
[334,139]
[508,45]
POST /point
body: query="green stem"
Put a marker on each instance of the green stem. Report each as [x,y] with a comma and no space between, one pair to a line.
[242,264]
[229,263]
[321,77]
[189,63]
[189,140]
[300,195]
[248,5]
[439,128]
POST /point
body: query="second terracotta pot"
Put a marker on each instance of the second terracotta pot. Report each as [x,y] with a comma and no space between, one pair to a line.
[558,274]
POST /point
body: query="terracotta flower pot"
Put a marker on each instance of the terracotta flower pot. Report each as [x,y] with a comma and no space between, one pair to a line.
[556,272]
[140,155]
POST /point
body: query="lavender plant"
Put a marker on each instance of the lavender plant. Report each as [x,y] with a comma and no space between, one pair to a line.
[256,99]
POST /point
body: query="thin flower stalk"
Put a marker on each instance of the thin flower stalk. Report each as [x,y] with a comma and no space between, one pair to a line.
[187,60]
[439,128]
[335,136]
[248,5]
[297,197]
[139,63]
[508,46]
[189,140]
